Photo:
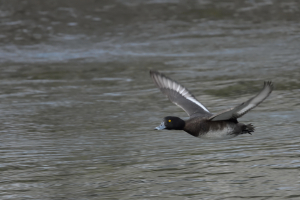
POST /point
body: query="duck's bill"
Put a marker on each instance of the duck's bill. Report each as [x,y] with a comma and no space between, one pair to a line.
[161,126]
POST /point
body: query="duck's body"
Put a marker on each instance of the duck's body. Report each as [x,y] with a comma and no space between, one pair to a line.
[202,123]
[206,129]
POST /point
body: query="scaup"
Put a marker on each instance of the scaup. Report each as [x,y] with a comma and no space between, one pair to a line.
[202,123]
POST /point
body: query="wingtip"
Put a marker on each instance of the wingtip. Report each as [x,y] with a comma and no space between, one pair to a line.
[269,83]
[151,71]
[154,72]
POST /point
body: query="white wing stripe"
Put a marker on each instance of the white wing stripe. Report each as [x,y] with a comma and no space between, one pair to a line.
[164,82]
[248,107]
[197,102]
[169,84]
[182,91]
[177,90]
[185,92]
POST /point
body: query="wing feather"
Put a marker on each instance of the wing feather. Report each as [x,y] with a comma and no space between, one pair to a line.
[240,110]
[179,95]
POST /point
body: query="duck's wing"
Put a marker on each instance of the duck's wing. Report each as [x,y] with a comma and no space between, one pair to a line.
[179,95]
[240,110]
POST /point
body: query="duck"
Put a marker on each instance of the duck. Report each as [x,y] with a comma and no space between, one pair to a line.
[202,123]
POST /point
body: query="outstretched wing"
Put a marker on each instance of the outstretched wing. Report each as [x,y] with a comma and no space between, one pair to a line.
[243,108]
[179,95]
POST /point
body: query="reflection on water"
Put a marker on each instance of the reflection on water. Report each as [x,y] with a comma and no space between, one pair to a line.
[78,107]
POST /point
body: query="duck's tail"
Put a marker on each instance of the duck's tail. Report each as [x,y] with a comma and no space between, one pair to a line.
[249,128]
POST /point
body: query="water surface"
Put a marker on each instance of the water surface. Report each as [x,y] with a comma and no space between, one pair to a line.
[78,107]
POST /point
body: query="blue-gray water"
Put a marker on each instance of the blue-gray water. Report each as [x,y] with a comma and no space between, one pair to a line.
[78,107]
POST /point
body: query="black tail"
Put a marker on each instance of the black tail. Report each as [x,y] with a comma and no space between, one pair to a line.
[249,128]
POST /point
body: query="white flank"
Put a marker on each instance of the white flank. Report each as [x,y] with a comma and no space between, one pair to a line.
[219,135]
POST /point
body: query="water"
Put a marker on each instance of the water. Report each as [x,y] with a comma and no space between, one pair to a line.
[78,107]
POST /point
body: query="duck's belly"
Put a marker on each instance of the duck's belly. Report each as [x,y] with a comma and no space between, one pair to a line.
[225,133]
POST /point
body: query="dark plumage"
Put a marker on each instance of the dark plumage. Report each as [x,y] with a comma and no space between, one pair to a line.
[202,123]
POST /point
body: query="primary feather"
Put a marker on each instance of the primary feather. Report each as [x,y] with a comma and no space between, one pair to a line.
[240,110]
[179,95]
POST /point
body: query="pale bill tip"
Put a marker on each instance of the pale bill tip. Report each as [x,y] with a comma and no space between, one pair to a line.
[161,126]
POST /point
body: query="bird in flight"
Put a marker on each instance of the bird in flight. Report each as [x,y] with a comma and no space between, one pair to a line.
[202,123]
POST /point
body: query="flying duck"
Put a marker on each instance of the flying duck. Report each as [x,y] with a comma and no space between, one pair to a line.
[202,123]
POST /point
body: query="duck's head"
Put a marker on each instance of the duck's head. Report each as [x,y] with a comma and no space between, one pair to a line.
[171,123]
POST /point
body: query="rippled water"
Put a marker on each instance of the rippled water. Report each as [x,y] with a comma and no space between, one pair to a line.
[78,107]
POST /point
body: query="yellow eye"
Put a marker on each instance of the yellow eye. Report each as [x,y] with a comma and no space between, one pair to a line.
[169,120]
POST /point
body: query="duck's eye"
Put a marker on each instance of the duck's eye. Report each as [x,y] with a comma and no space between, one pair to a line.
[169,120]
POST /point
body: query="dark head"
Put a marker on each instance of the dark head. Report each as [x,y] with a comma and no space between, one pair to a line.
[171,123]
